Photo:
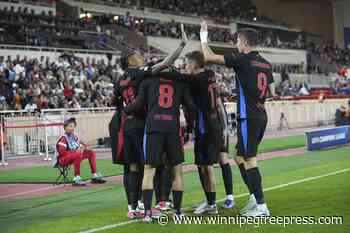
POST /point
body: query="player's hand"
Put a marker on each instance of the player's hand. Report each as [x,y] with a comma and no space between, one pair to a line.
[183,34]
[204,31]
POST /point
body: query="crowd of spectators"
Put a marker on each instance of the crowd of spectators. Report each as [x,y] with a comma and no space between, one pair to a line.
[221,11]
[24,27]
[173,30]
[330,53]
[68,82]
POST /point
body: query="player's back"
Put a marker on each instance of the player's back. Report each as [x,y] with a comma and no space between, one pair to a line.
[204,91]
[127,87]
[164,95]
[253,75]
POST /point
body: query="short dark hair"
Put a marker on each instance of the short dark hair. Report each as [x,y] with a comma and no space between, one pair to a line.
[124,59]
[251,35]
[197,57]
[68,121]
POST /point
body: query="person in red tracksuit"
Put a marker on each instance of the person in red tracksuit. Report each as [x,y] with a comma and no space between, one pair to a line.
[72,151]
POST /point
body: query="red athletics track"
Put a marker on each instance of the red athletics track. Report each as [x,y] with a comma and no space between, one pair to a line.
[13,191]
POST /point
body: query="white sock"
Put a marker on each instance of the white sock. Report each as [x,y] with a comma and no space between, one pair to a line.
[129,208]
[229,197]
[77,178]
[94,175]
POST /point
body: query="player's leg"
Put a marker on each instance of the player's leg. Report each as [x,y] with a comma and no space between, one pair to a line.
[255,130]
[139,161]
[162,187]
[157,185]
[147,190]
[125,184]
[133,155]
[153,148]
[251,203]
[226,170]
[175,158]
[177,187]
[211,148]
[239,159]
[199,161]
[227,178]
[91,156]
[211,189]
[73,157]
[133,189]
[167,180]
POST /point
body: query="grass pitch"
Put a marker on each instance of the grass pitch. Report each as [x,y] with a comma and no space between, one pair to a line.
[85,209]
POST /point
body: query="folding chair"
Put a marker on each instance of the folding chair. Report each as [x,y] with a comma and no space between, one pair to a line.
[63,170]
[63,174]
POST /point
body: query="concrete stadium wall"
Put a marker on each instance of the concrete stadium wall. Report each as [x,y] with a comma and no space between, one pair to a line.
[341,9]
[94,125]
[315,16]
[300,113]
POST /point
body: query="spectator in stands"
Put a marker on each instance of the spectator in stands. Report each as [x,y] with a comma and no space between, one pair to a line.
[71,150]
[57,84]
[342,116]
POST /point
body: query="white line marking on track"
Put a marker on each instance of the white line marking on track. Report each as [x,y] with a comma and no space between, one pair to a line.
[27,192]
[221,200]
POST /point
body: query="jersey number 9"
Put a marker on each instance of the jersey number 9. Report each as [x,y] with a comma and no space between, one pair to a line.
[262,84]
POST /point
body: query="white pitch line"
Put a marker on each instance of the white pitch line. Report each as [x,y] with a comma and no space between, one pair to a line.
[221,200]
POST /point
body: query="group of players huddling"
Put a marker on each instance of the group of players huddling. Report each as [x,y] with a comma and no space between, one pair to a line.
[149,141]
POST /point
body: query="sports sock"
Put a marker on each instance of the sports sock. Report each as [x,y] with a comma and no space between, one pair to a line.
[158,184]
[254,177]
[166,184]
[244,177]
[147,200]
[201,178]
[211,198]
[126,182]
[177,196]
[133,189]
[227,177]
[139,184]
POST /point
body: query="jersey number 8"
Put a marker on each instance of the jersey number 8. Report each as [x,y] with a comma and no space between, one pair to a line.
[166,93]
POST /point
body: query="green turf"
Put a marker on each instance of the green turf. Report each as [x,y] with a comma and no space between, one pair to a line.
[49,174]
[82,209]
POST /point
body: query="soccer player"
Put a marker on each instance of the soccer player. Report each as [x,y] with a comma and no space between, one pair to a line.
[163,95]
[208,130]
[133,125]
[254,80]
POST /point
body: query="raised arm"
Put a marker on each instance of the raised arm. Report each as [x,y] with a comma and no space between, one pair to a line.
[209,55]
[170,59]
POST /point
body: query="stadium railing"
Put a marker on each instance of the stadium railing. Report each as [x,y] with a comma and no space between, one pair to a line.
[36,133]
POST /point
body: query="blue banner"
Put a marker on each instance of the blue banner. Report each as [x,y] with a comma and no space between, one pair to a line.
[324,138]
